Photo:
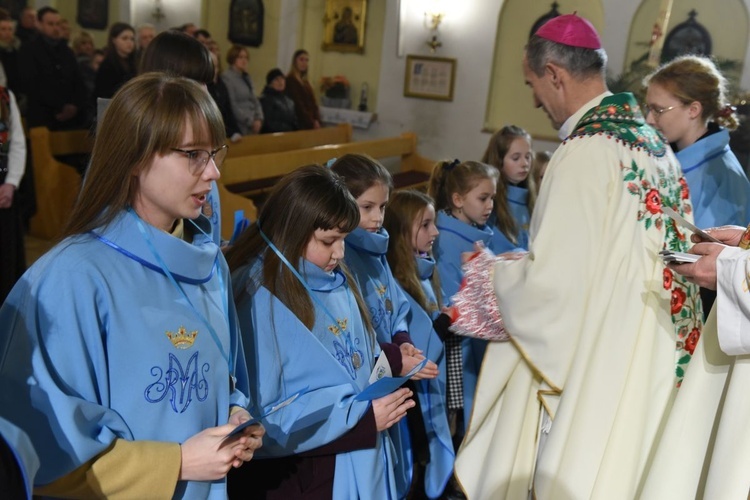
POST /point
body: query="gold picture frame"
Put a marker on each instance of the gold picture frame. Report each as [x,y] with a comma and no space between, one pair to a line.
[429,77]
[345,26]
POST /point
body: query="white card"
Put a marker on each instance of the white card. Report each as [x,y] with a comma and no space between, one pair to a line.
[382,368]
[680,220]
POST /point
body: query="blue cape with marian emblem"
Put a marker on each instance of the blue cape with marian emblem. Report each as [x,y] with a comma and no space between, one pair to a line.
[366,258]
[86,355]
[457,237]
[287,358]
[432,393]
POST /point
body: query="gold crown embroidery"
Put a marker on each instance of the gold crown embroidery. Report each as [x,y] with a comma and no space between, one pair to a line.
[182,339]
[381,290]
[336,330]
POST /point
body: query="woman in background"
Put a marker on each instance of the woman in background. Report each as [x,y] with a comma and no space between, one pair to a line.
[118,65]
[298,88]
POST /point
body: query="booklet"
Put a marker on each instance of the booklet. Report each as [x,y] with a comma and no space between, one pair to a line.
[386,385]
[273,409]
[671,257]
[680,220]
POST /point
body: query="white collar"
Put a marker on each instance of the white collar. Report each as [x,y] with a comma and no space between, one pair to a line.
[572,121]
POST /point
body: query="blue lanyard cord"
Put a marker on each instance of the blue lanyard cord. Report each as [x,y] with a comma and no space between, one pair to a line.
[312,295]
[168,274]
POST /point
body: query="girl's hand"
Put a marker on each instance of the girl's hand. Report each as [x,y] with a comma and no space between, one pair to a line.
[244,450]
[411,357]
[430,370]
[390,409]
[206,456]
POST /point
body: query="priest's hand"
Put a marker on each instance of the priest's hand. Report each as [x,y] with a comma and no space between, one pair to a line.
[703,271]
[729,235]
[390,409]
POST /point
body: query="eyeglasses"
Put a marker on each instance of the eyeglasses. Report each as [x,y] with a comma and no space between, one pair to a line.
[198,158]
[657,111]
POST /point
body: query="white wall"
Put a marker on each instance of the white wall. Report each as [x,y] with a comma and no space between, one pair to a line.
[453,129]
[445,129]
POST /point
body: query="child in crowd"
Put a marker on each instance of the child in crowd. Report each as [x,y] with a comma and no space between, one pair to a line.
[463,194]
[410,221]
[539,167]
[509,150]
[370,184]
[307,331]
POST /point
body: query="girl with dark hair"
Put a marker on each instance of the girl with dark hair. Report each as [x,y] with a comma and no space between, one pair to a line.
[307,329]
[118,65]
[370,184]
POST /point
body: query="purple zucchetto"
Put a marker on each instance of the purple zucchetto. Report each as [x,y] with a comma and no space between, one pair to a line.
[571,30]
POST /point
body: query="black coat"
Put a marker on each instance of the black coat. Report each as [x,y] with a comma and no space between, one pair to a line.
[278,112]
[51,78]
[219,92]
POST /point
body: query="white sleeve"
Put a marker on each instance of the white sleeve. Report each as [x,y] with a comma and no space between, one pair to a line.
[733,301]
[17,153]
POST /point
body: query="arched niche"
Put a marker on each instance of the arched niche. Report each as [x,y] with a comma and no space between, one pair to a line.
[725,20]
[509,100]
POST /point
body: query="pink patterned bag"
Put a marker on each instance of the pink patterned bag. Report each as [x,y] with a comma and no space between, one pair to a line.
[474,311]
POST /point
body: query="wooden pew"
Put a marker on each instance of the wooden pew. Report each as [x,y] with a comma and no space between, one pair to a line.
[253,174]
[56,184]
[285,141]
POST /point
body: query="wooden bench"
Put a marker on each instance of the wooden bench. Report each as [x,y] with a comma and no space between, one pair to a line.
[285,141]
[56,184]
[254,174]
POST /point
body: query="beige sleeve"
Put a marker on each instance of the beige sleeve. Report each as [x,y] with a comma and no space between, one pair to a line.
[127,469]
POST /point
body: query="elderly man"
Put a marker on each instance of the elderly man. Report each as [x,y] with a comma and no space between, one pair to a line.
[570,406]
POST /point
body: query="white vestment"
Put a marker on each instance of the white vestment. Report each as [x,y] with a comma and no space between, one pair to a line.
[705,449]
[596,325]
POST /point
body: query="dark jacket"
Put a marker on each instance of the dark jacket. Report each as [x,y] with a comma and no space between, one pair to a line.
[301,93]
[112,75]
[51,77]
[219,92]
[278,111]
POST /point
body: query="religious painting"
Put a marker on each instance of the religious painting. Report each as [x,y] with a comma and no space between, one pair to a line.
[13,6]
[93,14]
[246,22]
[430,77]
[345,26]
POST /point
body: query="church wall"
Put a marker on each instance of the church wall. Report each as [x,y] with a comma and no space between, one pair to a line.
[468,34]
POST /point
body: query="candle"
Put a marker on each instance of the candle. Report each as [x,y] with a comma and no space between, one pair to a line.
[657,34]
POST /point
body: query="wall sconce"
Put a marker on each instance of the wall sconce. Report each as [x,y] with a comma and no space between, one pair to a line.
[434,14]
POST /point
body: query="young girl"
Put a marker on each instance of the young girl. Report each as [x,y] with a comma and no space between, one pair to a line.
[120,349]
[509,150]
[370,184]
[410,221]
[307,331]
[463,194]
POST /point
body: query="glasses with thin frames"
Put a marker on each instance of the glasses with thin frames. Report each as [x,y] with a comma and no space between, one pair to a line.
[198,158]
[656,111]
